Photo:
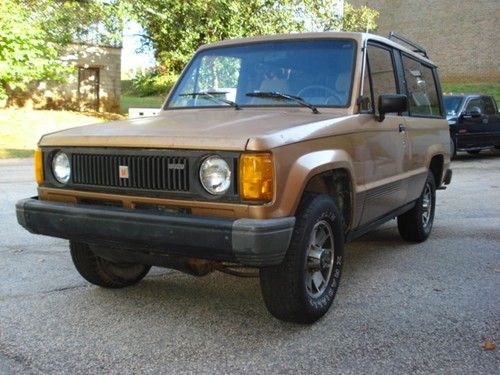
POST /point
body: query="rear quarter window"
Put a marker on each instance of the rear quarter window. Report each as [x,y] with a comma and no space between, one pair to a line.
[423,98]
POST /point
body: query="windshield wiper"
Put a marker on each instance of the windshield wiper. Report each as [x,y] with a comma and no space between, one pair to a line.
[211,95]
[279,95]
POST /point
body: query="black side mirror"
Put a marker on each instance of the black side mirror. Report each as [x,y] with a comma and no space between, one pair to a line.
[475,112]
[391,103]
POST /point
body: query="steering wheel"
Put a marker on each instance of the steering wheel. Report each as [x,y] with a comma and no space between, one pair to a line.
[327,90]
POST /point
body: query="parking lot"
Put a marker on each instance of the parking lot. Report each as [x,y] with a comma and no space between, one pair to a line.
[401,308]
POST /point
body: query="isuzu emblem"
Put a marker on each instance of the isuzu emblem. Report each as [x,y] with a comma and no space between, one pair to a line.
[123,171]
[176,166]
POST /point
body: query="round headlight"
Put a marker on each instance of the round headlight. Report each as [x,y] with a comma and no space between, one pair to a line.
[215,175]
[61,167]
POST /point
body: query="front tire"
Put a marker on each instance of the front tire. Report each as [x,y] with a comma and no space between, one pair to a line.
[102,272]
[416,225]
[303,287]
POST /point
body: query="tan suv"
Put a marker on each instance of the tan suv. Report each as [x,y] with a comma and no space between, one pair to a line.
[270,152]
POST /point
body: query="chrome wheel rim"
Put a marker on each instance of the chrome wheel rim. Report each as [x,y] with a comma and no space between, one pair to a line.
[426,205]
[320,256]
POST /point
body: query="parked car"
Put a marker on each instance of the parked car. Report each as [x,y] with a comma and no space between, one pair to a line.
[474,122]
[329,135]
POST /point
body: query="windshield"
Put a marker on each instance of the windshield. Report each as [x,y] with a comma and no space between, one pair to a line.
[452,104]
[317,72]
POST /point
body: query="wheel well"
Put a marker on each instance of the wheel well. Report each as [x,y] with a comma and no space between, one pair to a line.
[436,167]
[337,184]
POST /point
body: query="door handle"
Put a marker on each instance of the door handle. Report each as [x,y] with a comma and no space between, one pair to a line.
[402,128]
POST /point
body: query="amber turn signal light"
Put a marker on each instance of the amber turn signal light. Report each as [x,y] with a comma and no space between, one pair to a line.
[38,166]
[256,177]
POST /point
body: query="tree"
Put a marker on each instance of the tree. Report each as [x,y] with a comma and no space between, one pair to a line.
[24,54]
[86,21]
[359,19]
[176,28]
[349,18]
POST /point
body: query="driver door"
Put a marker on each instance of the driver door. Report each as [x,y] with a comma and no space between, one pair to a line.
[473,129]
[381,148]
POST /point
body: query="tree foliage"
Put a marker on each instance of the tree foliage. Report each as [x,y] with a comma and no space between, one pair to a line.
[359,19]
[176,28]
[25,55]
[98,22]
[352,18]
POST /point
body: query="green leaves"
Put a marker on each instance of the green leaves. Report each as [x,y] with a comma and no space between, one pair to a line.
[24,53]
[176,28]
[359,19]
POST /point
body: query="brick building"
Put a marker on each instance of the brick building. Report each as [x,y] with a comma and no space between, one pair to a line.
[461,37]
[94,84]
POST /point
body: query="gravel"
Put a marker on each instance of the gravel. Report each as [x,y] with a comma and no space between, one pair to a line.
[401,308]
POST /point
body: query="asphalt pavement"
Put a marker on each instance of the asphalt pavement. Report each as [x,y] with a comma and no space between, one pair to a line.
[401,308]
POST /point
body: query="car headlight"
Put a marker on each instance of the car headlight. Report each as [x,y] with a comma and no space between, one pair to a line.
[215,175]
[61,167]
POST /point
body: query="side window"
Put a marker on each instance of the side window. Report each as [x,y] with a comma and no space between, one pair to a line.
[488,106]
[473,103]
[383,79]
[422,93]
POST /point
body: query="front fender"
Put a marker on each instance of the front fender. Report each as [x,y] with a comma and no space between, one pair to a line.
[304,169]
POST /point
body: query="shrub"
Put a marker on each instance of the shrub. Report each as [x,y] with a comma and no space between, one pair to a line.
[153,82]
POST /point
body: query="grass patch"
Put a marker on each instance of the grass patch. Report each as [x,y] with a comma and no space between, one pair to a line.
[20,129]
[7,153]
[140,102]
[492,89]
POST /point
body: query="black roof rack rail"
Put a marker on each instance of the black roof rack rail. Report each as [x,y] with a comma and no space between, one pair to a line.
[417,48]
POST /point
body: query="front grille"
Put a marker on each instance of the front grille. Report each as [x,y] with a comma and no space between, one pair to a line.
[131,171]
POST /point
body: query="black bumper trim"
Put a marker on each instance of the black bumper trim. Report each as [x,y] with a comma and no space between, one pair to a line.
[247,241]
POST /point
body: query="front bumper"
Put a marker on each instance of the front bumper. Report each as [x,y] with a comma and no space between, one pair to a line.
[251,242]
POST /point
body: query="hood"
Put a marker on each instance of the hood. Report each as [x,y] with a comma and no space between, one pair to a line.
[208,129]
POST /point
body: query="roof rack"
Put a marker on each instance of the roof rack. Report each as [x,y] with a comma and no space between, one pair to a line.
[417,48]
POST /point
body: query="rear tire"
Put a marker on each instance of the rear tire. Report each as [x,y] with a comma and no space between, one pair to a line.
[303,287]
[102,272]
[416,225]
[453,148]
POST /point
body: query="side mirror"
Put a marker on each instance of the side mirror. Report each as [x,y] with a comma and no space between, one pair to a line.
[391,103]
[475,112]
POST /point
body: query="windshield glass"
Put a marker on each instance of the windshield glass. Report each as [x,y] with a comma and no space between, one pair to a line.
[452,104]
[317,71]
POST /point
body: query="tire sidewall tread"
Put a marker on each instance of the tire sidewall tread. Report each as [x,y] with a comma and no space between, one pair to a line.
[410,224]
[92,268]
[283,286]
